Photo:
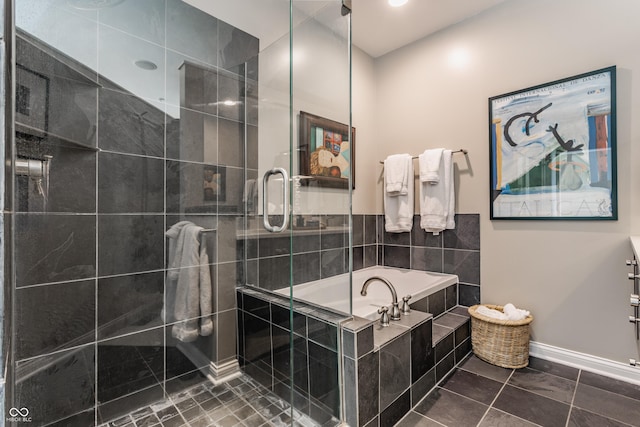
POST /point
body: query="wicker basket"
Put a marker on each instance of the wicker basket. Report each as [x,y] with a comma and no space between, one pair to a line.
[503,343]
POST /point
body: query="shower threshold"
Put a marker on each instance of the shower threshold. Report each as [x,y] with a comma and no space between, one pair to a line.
[238,402]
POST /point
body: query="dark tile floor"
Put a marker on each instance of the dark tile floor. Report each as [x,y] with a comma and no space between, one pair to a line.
[240,402]
[543,394]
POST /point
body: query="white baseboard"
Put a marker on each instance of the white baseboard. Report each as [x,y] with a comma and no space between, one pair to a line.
[587,362]
[224,372]
[217,374]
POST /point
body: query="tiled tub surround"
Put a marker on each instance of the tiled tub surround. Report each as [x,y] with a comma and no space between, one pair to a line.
[264,351]
[317,252]
[454,251]
[90,263]
[387,370]
[419,286]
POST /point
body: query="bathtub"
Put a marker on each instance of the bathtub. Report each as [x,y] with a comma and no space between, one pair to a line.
[332,292]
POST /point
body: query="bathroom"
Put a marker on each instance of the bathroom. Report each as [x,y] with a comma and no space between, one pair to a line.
[84,342]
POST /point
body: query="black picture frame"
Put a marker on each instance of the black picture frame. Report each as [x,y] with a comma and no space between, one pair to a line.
[329,162]
[553,150]
[31,102]
[214,187]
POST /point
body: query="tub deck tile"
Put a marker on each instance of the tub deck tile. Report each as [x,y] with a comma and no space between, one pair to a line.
[450,320]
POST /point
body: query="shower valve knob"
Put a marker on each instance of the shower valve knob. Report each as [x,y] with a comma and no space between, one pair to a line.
[634,300]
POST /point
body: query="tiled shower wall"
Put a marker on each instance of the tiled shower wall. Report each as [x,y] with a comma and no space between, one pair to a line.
[454,251]
[90,260]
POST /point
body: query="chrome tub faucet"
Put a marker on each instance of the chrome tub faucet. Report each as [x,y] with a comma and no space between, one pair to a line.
[395,310]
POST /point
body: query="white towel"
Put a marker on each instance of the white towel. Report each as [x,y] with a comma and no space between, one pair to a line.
[397,171]
[490,312]
[514,313]
[188,301]
[398,209]
[250,195]
[437,200]
[429,163]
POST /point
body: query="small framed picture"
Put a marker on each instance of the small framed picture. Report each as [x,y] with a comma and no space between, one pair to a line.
[214,184]
[327,151]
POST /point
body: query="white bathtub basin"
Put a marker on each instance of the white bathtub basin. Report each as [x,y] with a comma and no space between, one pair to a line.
[333,292]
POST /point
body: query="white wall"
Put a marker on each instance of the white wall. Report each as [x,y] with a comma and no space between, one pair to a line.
[320,86]
[570,274]
[367,156]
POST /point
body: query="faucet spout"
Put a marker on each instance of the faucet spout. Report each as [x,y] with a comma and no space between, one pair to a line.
[395,310]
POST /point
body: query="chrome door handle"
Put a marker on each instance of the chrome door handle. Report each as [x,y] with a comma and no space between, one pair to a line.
[285,200]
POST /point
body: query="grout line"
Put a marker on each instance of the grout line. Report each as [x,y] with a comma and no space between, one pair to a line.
[573,398]
[431,419]
[496,398]
[515,416]
[96,385]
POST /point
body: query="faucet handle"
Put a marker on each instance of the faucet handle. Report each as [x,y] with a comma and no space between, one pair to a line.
[405,305]
[384,319]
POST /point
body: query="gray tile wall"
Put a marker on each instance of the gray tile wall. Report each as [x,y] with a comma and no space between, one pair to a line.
[318,253]
[323,253]
[90,263]
[452,251]
[264,352]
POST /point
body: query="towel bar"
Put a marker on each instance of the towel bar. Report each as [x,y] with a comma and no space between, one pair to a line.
[462,150]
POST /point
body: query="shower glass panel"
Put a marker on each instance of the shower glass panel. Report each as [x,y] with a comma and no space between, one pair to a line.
[135,121]
[299,233]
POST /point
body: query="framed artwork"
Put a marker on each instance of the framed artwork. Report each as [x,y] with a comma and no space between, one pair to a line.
[553,150]
[214,184]
[327,151]
[32,101]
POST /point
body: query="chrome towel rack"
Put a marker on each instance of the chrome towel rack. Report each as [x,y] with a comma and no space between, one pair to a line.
[462,150]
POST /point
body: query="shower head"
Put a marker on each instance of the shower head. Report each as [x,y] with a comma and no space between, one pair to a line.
[93,4]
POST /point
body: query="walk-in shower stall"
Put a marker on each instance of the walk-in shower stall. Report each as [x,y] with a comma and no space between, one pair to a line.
[128,122]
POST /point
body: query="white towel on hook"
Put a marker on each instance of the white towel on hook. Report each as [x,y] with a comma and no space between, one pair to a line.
[398,209]
[397,169]
[429,163]
[437,200]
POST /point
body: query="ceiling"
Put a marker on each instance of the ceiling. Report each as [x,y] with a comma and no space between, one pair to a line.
[378,28]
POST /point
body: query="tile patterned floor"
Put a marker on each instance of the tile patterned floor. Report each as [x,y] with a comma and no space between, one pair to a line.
[543,394]
[241,402]
[474,394]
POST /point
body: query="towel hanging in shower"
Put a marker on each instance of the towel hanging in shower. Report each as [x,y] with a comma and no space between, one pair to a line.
[188,299]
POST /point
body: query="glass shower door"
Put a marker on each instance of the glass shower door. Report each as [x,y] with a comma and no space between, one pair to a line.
[303,219]
[132,117]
